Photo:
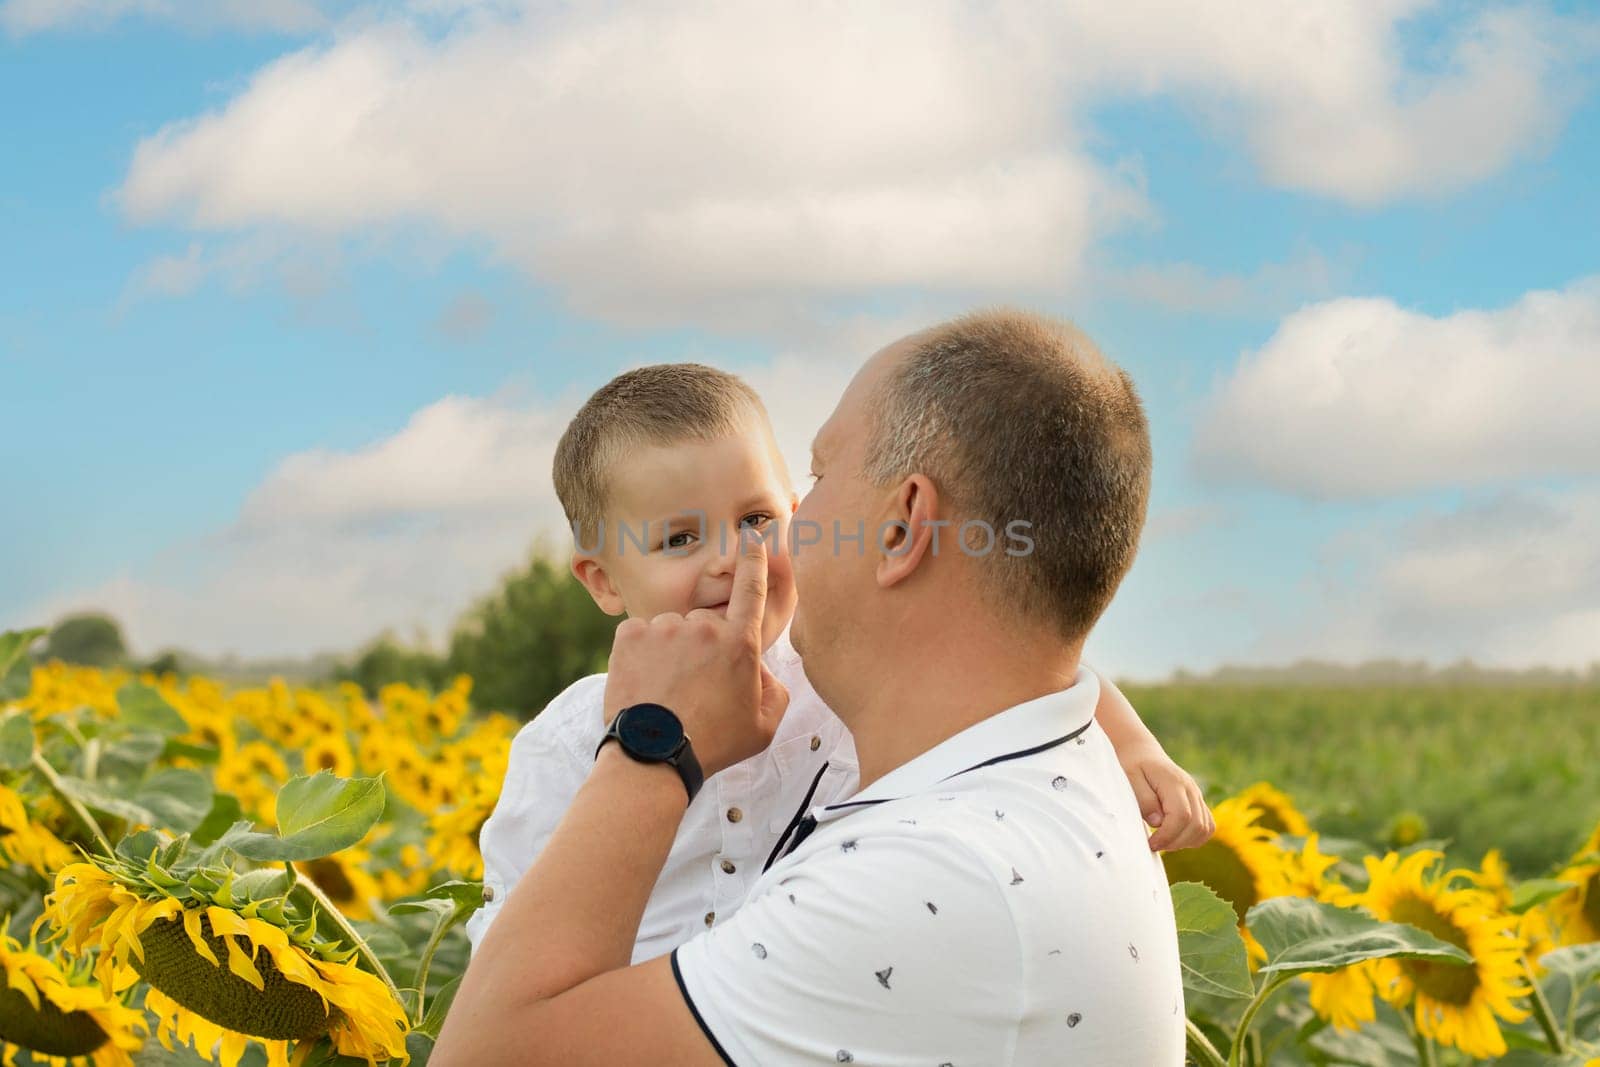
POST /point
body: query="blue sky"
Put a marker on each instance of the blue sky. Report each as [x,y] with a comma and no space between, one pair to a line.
[295,299]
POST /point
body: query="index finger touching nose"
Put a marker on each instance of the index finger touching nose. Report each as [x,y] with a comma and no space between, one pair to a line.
[749,597]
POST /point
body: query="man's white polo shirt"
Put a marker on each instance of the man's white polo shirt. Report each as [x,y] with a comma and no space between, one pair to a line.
[726,835]
[994,901]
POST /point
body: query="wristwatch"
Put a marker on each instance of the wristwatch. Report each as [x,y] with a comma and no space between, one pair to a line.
[651,733]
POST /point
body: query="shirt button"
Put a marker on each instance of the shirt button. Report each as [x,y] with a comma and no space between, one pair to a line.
[711,917]
[816,743]
[728,867]
[734,814]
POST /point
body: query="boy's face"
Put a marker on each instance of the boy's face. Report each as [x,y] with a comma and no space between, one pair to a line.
[685,503]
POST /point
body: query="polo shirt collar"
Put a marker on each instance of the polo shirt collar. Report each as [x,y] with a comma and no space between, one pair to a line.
[1017,731]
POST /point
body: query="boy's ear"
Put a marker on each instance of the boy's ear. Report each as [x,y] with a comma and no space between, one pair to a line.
[592,573]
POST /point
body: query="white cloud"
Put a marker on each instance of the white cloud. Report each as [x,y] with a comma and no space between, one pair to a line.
[465,319]
[405,532]
[1270,289]
[20,17]
[169,275]
[650,159]
[1359,396]
[1511,581]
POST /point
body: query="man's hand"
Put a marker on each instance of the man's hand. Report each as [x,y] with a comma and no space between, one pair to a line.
[707,668]
[1169,799]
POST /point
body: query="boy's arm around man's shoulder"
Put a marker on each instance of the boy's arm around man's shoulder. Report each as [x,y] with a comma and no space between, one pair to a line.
[550,759]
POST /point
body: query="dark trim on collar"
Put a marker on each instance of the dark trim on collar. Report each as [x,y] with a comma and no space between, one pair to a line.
[1025,752]
[800,813]
[1020,754]
[677,976]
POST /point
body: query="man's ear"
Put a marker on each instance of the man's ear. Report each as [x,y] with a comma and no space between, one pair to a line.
[909,530]
[592,573]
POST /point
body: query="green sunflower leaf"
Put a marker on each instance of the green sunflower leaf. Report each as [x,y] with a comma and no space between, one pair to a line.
[16,742]
[438,1005]
[135,751]
[225,810]
[143,708]
[179,797]
[317,816]
[14,645]
[1209,946]
[1308,936]
[1536,891]
[173,798]
[439,908]
[1580,963]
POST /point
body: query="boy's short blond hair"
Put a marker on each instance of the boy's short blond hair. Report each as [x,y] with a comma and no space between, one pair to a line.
[662,404]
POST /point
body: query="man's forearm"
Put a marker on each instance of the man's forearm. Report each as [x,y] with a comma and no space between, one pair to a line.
[575,913]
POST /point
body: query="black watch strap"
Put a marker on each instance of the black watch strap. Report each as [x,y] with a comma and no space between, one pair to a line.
[682,759]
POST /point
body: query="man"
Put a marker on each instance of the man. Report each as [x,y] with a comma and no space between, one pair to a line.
[989,896]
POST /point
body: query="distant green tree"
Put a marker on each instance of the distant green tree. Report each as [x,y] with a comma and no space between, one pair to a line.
[531,638]
[168,662]
[89,640]
[386,660]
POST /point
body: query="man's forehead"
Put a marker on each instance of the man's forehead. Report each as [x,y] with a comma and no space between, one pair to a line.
[849,416]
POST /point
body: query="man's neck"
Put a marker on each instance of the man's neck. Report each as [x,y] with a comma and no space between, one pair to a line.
[933,687]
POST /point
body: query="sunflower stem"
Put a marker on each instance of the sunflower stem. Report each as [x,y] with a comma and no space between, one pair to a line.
[1201,1048]
[439,930]
[337,918]
[1242,1036]
[1542,1012]
[42,765]
[1424,1049]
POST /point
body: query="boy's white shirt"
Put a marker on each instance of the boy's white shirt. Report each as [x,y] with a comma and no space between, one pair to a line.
[727,834]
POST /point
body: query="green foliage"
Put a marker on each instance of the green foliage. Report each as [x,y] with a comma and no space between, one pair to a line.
[90,640]
[317,816]
[14,646]
[1209,945]
[386,660]
[1514,769]
[16,741]
[1304,936]
[537,634]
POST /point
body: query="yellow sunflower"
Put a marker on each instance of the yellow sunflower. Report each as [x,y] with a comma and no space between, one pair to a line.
[343,878]
[61,1015]
[330,752]
[27,842]
[406,878]
[1575,914]
[1454,1005]
[1278,812]
[59,688]
[1343,997]
[281,983]
[1242,864]
[253,774]
[1494,878]
[454,833]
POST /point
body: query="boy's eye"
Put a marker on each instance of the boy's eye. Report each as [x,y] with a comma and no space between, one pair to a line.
[760,518]
[678,540]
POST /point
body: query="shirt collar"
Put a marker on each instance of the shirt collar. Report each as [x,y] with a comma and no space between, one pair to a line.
[1015,732]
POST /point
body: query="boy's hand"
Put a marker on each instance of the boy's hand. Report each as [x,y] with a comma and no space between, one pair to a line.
[1169,799]
[707,668]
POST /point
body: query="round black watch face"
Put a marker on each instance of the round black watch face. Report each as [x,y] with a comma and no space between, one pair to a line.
[649,731]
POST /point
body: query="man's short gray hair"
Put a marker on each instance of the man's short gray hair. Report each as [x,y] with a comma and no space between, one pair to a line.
[1019,417]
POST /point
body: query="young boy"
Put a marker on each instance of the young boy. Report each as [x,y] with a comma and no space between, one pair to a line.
[657,472]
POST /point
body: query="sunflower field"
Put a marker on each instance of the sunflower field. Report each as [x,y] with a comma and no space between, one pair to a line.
[276,876]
